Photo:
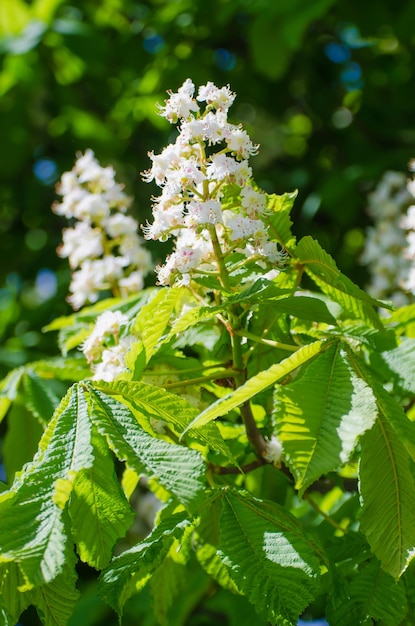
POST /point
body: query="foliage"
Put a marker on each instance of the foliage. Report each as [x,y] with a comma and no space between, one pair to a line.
[268,411]
[328,96]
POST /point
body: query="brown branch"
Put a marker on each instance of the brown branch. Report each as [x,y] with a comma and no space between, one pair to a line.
[254,435]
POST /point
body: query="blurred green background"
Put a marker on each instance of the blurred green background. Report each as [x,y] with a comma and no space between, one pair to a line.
[326,87]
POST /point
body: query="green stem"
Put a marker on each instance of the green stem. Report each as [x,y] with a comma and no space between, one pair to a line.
[201,379]
[268,342]
[223,272]
[328,519]
[232,324]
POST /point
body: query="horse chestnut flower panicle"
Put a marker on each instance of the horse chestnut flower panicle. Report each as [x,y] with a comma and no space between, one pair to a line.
[103,247]
[208,203]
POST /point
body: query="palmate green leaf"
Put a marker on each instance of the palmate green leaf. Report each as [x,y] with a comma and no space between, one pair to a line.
[191,317]
[39,396]
[168,583]
[269,557]
[208,540]
[283,302]
[378,595]
[257,383]
[99,512]
[11,579]
[148,403]
[152,320]
[72,368]
[320,416]
[129,571]
[388,407]
[60,368]
[279,222]
[32,529]
[401,361]
[320,266]
[55,601]
[403,320]
[21,440]
[340,609]
[8,389]
[5,619]
[180,470]
[387,490]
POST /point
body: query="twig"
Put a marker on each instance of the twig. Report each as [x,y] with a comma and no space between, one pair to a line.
[244,469]
[328,519]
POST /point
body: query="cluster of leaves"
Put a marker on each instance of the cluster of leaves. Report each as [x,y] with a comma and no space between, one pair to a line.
[334,518]
[79,74]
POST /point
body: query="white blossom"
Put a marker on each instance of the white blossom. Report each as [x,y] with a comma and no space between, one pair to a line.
[273,452]
[221,99]
[180,104]
[113,361]
[209,155]
[80,243]
[103,247]
[387,247]
[106,347]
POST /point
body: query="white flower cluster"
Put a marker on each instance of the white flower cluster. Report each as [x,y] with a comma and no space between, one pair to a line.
[195,172]
[385,252]
[408,224]
[106,347]
[103,247]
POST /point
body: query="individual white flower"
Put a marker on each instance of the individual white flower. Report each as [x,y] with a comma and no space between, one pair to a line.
[107,325]
[92,208]
[242,227]
[93,277]
[253,201]
[119,224]
[80,243]
[240,144]
[68,183]
[221,167]
[105,349]
[113,361]
[209,212]
[242,173]
[70,201]
[131,248]
[180,104]
[273,452]
[86,284]
[221,98]
[216,127]
[165,222]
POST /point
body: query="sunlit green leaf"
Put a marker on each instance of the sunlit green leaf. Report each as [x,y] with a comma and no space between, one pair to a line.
[387,489]
[179,469]
[322,269]
[321,415]
[119,580]
[269,557]
[256,384]
[99,512]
